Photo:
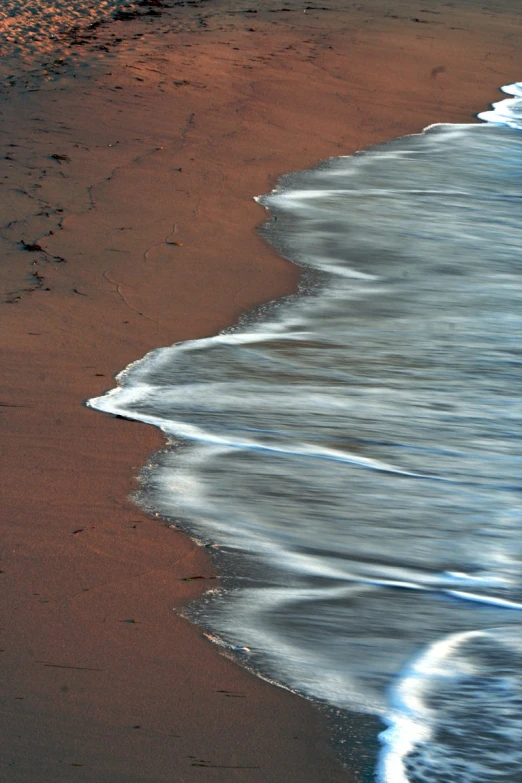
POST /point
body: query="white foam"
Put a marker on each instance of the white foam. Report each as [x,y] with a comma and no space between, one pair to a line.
[125,398]
[502,603]
[513,89]
[435,736]
[507,112]
[410,719]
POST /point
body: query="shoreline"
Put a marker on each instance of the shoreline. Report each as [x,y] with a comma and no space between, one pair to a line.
[154,241]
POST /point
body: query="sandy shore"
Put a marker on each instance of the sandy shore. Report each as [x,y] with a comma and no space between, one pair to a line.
[128,223]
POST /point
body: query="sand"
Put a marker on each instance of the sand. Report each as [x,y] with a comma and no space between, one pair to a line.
[127,175]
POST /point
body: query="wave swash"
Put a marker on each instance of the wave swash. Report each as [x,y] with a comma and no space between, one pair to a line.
[354,451]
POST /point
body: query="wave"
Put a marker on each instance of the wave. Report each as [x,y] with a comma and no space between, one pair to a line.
[352,453]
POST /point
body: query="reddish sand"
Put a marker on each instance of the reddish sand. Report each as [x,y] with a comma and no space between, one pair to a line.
[159,145]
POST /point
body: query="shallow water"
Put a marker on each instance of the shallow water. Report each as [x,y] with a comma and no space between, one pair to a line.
[354,455]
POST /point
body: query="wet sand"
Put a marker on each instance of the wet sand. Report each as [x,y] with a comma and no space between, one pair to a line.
[128,223]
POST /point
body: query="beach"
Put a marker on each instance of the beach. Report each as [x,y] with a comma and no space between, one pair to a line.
[128,174]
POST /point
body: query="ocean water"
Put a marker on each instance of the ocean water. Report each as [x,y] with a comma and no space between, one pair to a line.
[352,455]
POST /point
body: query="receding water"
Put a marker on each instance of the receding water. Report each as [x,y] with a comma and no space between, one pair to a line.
[354,451]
